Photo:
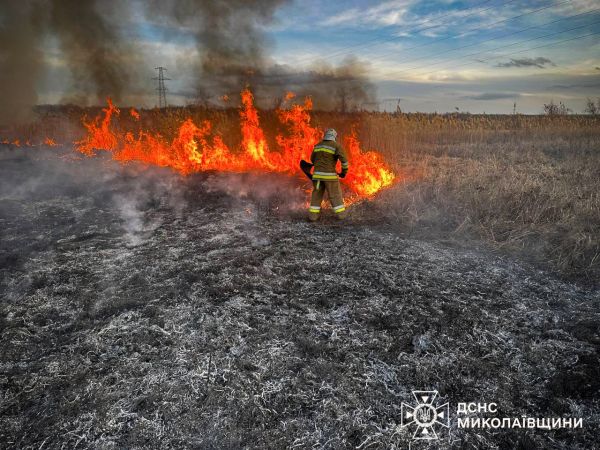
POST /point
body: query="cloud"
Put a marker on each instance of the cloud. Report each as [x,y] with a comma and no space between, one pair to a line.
[591,85]
[575,6]
[539,62]
[413,17]
[385,14]
[492,96]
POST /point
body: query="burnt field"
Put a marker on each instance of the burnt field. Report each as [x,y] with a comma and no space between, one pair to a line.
[145,309]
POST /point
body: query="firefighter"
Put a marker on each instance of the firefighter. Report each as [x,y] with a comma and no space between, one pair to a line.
[325,178]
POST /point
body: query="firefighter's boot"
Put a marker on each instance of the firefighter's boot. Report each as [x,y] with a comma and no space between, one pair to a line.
[316,198]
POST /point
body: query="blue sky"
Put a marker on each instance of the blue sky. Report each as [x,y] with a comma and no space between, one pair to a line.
[475,55]
[440,55]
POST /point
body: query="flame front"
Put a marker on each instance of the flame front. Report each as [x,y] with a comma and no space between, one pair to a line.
[195,148]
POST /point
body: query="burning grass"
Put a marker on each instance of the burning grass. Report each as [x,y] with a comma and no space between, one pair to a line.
[194,148]
[519,183]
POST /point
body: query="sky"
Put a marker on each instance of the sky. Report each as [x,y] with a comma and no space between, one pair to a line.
[437,55]
[476,56]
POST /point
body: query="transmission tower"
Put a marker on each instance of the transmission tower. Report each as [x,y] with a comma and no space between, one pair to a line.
[398,109]
[161,89]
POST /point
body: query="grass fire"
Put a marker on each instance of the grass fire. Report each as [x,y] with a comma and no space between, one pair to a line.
[268,224]
[194,149]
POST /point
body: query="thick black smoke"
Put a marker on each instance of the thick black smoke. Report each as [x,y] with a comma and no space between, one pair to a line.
[99,59]
[99,50]
[20,60]
[233,52]
[229,38]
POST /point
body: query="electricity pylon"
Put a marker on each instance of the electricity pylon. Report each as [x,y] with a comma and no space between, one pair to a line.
[161,89]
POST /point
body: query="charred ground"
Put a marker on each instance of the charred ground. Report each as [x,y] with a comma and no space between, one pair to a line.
[143,309]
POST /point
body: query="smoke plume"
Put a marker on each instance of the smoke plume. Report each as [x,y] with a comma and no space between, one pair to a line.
[21,60]
[99,60]
[345,87]
[228,35]
[233,52]
[98,48]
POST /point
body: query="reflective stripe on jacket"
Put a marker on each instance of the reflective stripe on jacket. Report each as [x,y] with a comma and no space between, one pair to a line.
[324,156]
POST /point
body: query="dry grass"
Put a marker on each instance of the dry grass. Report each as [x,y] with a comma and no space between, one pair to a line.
[525,183]
[521,183]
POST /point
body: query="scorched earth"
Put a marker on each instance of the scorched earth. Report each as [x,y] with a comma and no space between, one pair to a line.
[144,309]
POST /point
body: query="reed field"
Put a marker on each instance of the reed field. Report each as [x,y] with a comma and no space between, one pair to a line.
[518,183]
[521,183]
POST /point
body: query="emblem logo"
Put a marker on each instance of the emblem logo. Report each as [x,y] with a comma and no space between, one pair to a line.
[426,415]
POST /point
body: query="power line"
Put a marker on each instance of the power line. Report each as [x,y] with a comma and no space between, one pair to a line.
[522,51]
[162,89]
[270,76]
[496,48]
[343,51]
[503,36]
[338,79]
[464,33]
[329,80]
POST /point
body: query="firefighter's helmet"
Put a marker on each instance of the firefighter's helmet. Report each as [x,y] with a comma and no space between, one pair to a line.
[330,135]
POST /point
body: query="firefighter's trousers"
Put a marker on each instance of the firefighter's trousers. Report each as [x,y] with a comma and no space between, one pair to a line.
[334,193]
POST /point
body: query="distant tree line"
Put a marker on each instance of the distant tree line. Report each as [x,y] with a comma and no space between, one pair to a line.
[560,109]
[591,107]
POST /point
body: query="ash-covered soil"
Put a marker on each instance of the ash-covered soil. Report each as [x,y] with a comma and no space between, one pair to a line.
[140,309]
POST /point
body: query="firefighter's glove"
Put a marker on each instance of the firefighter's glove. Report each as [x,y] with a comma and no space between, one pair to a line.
[343,173]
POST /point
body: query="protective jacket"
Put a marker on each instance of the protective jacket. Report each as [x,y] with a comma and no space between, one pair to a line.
[325,178]
[324,156]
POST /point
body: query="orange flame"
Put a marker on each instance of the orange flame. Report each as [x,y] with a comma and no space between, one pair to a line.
[134,114]
[368,173]
[253,139]
[195,148]
[99,136]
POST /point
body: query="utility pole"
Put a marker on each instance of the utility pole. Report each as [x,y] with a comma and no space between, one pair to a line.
[162,90]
